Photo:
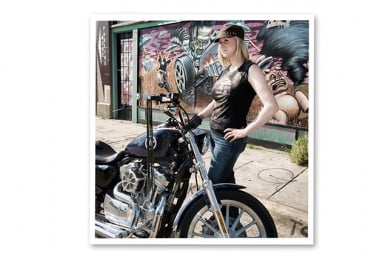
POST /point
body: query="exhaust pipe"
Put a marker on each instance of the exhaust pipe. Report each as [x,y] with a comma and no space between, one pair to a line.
[158,216]
[107,231]
[116,213]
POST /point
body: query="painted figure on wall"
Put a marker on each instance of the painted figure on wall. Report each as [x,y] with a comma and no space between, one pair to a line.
[162,76]
[196,40]
[289,41]
[148,61]
[188,74]
[292,102]
[188,63]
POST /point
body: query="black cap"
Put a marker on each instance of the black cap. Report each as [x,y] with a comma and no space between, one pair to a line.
[230,31]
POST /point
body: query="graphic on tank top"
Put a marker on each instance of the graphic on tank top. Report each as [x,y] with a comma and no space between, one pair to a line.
[233,95]
[223,86]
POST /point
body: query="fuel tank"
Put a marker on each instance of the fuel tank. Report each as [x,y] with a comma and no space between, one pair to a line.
[164,141]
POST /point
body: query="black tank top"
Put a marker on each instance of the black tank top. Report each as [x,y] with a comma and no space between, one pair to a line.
[233,95]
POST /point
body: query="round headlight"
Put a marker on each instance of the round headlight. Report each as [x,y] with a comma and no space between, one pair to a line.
[205,144]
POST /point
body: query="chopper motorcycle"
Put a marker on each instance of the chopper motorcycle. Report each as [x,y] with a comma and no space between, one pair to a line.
[142,191]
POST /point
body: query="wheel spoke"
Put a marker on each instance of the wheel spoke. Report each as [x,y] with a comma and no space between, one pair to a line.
[237,220]
[211,227]
[201,235]
[227,215]
[244,228]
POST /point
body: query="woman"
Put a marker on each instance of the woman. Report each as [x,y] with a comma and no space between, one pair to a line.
[233,93]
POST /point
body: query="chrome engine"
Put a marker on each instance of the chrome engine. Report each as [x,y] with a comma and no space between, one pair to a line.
[132,177]
[134,207]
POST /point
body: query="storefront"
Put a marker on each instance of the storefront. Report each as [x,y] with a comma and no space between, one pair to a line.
[179,56]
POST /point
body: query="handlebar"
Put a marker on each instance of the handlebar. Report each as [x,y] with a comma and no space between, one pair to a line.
[172,98]
[161,98]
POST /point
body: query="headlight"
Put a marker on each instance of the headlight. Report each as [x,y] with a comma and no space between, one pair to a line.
[205,144]
[202,139]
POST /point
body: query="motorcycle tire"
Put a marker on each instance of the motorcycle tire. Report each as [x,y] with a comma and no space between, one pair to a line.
[251,219]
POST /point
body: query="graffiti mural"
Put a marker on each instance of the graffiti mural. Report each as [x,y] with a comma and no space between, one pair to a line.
[102,50]
[102,62]
[182,57]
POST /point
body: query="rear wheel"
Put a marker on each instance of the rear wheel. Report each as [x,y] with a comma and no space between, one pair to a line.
[244,216]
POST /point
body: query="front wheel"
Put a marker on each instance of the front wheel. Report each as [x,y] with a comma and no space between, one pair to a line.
[244,216]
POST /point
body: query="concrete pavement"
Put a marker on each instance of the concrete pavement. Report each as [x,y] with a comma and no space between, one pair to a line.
[269,175]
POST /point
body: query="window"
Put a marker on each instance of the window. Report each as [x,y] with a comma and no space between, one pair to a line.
[126,69]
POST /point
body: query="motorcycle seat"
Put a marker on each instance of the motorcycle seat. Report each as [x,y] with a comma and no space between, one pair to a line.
[105,153]
[106,159]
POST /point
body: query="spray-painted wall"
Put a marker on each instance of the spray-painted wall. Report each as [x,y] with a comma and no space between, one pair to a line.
[181,57]
[103,69]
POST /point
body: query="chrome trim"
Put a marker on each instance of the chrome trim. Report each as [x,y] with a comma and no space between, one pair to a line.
[118,212]
[120,195]
[105,230]
[158,216]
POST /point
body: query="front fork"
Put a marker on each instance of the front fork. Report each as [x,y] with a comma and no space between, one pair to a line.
[208,186]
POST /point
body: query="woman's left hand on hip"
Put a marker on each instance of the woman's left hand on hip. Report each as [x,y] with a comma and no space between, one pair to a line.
[232,134]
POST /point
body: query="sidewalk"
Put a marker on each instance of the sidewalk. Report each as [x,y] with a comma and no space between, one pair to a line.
[268,174]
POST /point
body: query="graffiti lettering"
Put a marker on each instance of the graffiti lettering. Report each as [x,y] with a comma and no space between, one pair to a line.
[303,229]
[102,45]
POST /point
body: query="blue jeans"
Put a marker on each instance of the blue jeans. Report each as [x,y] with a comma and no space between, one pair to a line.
[224,156]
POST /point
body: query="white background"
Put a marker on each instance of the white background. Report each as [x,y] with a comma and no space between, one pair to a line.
[45,111]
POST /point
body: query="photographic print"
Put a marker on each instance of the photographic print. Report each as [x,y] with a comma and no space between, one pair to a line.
[203,130]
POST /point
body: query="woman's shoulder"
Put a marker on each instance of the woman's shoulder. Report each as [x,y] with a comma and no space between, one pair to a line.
[247,64]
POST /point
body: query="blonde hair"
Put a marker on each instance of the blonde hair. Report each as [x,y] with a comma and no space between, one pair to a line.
[241,52]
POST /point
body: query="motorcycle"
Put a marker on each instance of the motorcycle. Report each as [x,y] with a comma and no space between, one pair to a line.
[142,191]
